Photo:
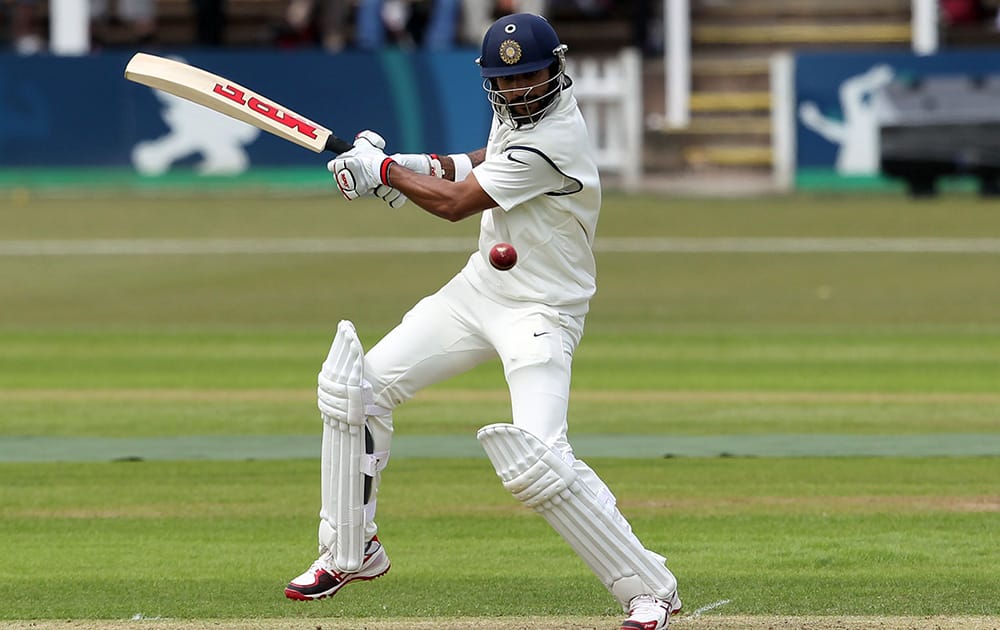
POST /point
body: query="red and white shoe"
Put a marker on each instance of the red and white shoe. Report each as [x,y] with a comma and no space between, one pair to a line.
[323,580]
[645,612]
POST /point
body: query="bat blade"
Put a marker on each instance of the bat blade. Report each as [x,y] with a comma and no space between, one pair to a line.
[231,99]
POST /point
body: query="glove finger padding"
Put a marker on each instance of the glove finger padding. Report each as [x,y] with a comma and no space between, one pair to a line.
[369,137]
[391,196]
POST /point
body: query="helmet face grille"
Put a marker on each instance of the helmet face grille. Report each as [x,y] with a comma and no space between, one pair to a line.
[522,108]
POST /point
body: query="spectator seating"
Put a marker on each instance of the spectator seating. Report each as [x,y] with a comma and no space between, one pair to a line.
[732,41]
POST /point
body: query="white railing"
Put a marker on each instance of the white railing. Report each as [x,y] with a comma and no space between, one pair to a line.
[609,92]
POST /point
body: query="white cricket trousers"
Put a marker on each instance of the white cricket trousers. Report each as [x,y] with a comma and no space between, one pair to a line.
[456,329]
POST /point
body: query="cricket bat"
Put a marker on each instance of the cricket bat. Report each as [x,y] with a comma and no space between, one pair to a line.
[233,100]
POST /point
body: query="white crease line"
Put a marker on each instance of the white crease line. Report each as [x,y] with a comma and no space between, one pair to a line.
[368,245]
[705,609]
[142,617]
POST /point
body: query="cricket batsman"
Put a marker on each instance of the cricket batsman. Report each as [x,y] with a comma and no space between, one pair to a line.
[535,187]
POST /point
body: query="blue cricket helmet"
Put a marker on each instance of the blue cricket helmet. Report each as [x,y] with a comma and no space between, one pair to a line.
[518,43]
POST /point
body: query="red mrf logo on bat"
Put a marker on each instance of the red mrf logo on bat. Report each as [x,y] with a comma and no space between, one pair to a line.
[270,110]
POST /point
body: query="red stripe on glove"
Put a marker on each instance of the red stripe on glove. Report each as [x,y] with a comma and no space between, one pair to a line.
[383,171]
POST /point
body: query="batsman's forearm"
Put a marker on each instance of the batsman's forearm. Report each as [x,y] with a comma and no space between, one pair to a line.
[443,198]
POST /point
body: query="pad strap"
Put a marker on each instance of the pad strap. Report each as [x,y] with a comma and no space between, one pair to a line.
[374,463]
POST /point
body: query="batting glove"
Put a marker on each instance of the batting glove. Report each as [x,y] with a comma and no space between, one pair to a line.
[423,163]
[362,169]
[392,197]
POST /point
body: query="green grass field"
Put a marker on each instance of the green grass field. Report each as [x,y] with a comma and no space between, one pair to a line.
[808,430]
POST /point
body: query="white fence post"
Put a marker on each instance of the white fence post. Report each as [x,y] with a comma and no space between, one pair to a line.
[924,26]
[783,125]
[609,92]
[677,62]
[69,27]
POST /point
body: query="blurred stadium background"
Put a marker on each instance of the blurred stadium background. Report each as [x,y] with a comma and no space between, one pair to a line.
[761,95]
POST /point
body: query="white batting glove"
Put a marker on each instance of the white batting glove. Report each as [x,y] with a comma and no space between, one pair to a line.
[368,139]
[392,197]
[362,169]
[423,163]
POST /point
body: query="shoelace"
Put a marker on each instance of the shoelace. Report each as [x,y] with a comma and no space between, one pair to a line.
[640,601]
[317,564]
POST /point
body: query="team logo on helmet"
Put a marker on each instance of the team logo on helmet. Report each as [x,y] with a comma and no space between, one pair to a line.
[510,52]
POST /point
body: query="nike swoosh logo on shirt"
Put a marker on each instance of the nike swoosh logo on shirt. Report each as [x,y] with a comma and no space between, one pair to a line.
[510,156]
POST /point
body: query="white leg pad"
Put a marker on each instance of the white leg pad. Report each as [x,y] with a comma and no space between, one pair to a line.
[348,461]
[540,478]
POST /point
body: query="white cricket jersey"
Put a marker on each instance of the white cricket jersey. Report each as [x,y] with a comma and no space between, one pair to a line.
[548,192]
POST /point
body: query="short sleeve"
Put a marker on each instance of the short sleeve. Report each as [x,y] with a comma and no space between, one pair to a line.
[518,174]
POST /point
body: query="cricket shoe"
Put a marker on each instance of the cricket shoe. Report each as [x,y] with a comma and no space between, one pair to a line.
[323,579]
[645,612]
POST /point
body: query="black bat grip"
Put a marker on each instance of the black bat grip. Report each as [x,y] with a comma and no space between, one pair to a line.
[338,145]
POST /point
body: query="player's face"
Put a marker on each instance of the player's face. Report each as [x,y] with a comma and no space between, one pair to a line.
[525,92]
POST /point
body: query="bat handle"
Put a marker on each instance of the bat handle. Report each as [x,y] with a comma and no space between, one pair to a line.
[338,145]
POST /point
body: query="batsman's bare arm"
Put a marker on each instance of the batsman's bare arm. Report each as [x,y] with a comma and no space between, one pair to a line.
[444,197]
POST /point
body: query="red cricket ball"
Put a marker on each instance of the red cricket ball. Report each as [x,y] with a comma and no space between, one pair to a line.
[503,256]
